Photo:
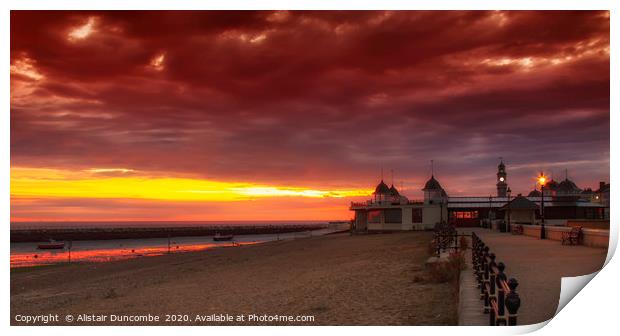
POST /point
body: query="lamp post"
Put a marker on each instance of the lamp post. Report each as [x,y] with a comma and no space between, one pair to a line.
[542,180]
[507,228]
[490,225]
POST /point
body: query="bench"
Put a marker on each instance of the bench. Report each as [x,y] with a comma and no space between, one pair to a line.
[517,230]
[572,237]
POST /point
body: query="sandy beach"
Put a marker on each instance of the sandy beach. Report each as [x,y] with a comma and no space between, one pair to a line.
[336,279]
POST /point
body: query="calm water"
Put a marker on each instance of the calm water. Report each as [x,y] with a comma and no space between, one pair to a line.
[27,254]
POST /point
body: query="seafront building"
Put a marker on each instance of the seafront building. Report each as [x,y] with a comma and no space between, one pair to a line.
[388,210]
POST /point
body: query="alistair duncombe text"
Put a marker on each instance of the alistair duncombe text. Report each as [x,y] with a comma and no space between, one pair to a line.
[165,319]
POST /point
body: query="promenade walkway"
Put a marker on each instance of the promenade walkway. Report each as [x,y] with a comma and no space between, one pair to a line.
[470,306]
[539,266]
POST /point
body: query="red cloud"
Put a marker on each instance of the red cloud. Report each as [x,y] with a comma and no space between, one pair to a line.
[320,97]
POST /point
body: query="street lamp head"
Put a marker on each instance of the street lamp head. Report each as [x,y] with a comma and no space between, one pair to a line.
[542,179]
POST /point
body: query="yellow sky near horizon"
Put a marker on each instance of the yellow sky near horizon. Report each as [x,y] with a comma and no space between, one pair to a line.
[122,183]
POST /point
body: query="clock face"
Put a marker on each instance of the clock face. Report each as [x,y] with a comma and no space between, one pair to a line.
[501,179]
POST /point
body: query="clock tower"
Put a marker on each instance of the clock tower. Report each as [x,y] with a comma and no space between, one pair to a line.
[502,185]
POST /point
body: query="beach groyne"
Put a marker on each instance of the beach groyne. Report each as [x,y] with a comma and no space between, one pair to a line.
[45,234]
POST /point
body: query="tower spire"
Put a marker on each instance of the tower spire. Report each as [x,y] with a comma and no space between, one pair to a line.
[432,168]
[381,173]
[502,185]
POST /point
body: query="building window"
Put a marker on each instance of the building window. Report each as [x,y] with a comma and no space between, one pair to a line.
[593,213]
[394,216]
[464,214]
[416,215]
[374,216]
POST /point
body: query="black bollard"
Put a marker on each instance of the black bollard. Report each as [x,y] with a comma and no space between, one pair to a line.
[513,302]
[501,293]
[501,276]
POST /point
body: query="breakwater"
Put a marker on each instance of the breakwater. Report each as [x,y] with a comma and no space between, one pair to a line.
[45,234]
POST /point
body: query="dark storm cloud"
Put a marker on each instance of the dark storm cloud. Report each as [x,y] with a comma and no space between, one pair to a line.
[314,97]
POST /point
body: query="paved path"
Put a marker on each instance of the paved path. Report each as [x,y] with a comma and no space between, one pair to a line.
[470,306]
[538,265]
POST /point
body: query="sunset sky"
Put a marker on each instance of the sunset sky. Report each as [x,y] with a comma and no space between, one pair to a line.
[291,115]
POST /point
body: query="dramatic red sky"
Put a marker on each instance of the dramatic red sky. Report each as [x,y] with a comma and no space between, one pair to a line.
[291,115]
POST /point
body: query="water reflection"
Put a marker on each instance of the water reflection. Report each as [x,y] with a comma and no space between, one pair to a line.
[39,258]
[27,254]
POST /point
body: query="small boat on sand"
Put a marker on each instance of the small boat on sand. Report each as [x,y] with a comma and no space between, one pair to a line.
[52,245]
[220,237]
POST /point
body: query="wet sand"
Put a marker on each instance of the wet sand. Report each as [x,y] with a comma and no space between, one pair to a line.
[337,279]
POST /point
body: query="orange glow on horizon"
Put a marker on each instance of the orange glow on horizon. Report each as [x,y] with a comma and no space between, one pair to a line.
[55,183]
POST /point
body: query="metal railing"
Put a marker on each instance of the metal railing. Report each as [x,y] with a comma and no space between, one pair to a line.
[387,203]
[501,300]
[446,238]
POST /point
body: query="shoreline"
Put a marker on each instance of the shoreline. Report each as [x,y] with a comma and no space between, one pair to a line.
[338,279]
[101,251]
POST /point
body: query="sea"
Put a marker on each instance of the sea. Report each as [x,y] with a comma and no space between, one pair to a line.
[27,254]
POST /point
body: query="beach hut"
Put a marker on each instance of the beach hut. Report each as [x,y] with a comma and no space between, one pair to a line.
[520,210]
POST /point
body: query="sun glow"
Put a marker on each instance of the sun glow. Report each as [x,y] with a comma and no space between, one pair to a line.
[54,183]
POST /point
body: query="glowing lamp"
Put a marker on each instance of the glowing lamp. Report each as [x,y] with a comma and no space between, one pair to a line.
[542,179]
